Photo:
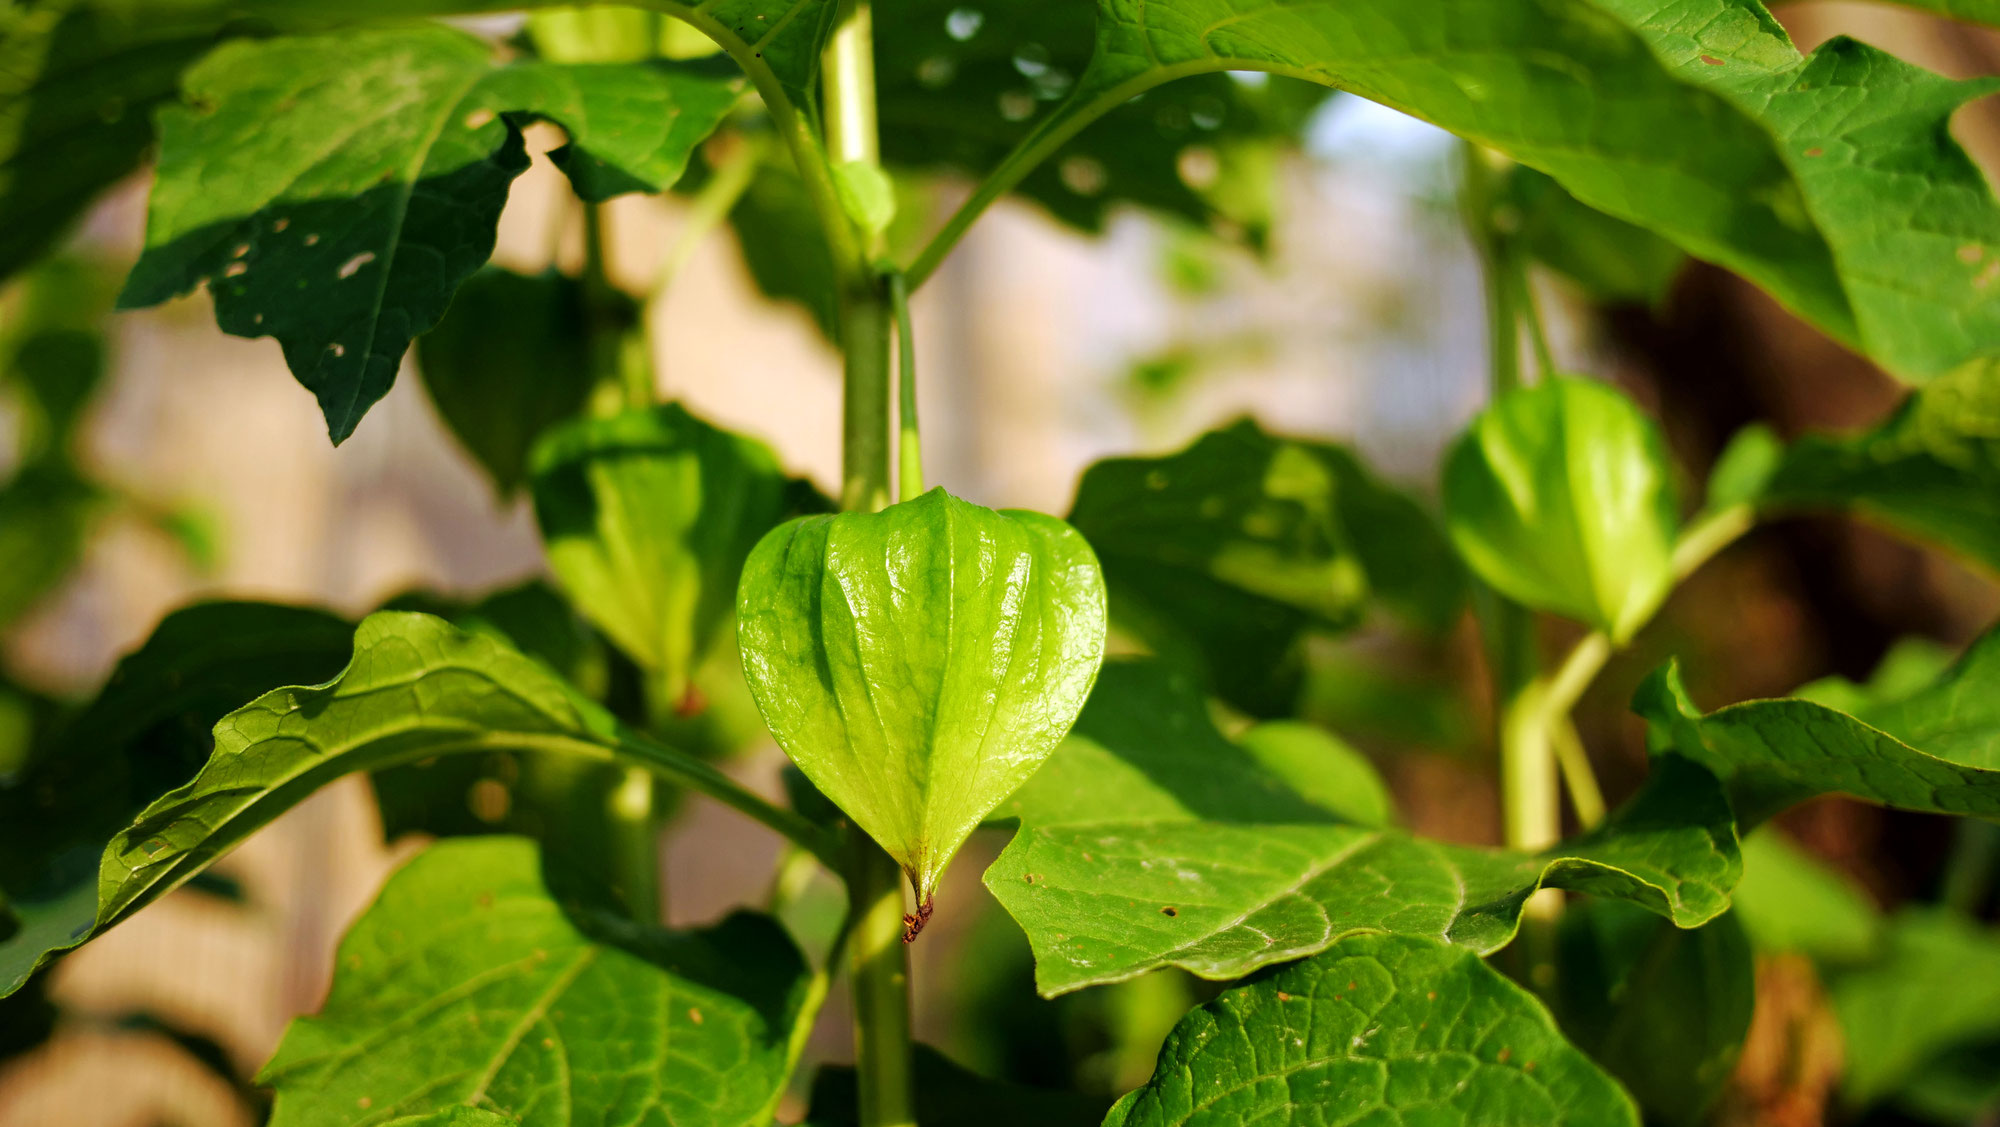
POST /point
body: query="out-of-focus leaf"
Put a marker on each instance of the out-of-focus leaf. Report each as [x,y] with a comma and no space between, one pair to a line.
[1614,261]
[1224,554]
[46,512]
[1937,750]
[1149,840]
[467,983]
[54,351]
[647,518]
[348,247]
[950,1095]
[510,359]
[148,731]
[1323,769]
[1931,471]
[1560,496]
[1381,1028]
[920,663]
[1789,900]
[1936,987]
[1664,1010]
[782,244]
[1910,666]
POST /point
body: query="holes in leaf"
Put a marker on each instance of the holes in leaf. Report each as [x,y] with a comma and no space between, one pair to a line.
[1198,166]
[1170,911]
[936,72]
[964,23]
[1017,105]
[1083,175]
[1207,112]
[489,800]
[1031,59]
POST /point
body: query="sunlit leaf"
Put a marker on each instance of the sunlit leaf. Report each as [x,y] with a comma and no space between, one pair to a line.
[1381,1028]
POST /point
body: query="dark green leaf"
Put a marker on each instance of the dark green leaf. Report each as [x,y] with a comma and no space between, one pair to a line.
[54,351]
[1225,553]
[647,518]
[919,663]
[466,983]
[1789,900]
[1936,987]
[949,1095]
[146,733]
[1936,751]
[1149,840]
[1560,496]
[510,359]
[783,246]
[1379,1029]
[46,513]
[347,247]
[1664,1010]
[1614,261]
[1931,471]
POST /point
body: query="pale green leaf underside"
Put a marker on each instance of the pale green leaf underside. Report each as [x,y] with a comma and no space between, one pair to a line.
[333,192]
[1379,1029]
[466,984]
[918,664]
[1150,841]
[1937,751]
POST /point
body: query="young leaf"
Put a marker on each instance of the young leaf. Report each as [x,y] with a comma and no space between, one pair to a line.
[511,359]
[949,1095]
[1560,496]
[1665,1010]
[335,191]
[1381,1028]
[466,983]
[647,518]
[1149,840]
[1227,552]
[146,733]
[1937,751]
[416,687]
[1936,987]
[1931,471]
[919,663]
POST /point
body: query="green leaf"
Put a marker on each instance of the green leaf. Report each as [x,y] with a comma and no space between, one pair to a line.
[782,244]
[1612,260]
[1225,553]
[1323,769]
[950,1095]
[147,732]
[54,351]
[1149,840]
[1560,496]
[511,359]
[1664,1010]
[46,513]
[1936,987]
[866,195]
[416,687]
[1936,751]
[1379,1029]
[347,247]
[1931,471]
[466,983]
[647,518]
[919,663]
[1790,900]
[1909,218]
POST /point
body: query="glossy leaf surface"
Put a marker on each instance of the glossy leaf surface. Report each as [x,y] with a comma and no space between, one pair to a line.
[1150,840]
[1937,750]
[919,663]
[467,984]
[348,247]
[1381,1028]
[1224,554]
[647,518]
[1561,497]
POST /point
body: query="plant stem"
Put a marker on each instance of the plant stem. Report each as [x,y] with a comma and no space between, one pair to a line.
[1585,796]
[910,448]
[878,960]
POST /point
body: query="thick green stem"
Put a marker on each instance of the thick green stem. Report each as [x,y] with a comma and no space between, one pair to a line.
[879,961]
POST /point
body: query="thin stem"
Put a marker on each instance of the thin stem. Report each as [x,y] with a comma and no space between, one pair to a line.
[1531,312]
[865,459]
[910,448]
[1478,182]
[1586,797]
[635,844]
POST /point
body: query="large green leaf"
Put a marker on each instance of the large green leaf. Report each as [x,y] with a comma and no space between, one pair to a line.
[1936,987]
[1380,1029]
[1932,470]
[1149,840]
[1225,553]
[949,1095]
[919,663]
[1560,496]
[146,733]
[1937,750]
[415,687]
[511,359]
[647,518]
[1612,260]
[1909,218]
[335,191]
[1789,900]
[1665,1010]
[467,984]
